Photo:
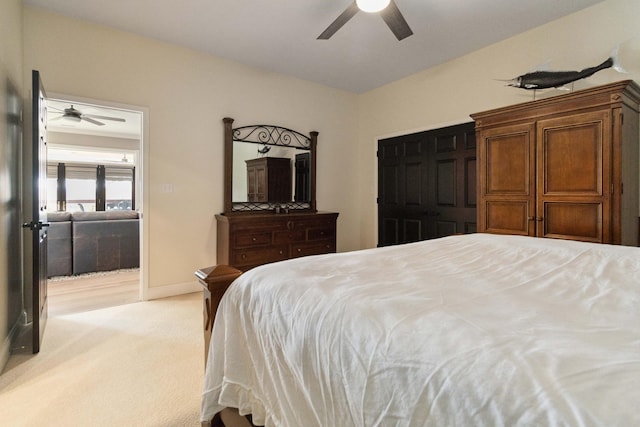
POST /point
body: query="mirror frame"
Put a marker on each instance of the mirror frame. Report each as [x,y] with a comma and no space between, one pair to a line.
[266,135]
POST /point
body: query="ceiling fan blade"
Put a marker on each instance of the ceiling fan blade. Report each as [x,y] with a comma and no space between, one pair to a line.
[396,22]
[339,22]
[95,122]
[54,118]
[115,119]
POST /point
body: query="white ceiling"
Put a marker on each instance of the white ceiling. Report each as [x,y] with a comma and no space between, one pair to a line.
[280,35]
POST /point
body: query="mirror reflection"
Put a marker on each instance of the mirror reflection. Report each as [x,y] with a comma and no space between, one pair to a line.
[270,174]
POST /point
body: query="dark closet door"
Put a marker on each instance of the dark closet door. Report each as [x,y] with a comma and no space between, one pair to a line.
[427,185]
[453,177]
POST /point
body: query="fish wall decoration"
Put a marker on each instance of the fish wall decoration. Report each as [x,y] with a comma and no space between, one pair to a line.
[557,79]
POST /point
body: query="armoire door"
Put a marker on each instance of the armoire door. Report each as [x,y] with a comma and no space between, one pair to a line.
[427,185]
[573,195]
[506,157]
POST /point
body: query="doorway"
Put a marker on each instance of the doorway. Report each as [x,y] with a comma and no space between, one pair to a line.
[95,203]
[427,185]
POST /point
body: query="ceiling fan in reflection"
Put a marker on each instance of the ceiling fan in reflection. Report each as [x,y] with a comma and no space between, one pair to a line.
[73,114]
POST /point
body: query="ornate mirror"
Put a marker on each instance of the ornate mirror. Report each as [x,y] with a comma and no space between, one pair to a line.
[268,168]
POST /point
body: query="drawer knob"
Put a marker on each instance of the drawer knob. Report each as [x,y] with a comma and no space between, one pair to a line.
[299,250]
[254,239]
[243,256]
[280,251]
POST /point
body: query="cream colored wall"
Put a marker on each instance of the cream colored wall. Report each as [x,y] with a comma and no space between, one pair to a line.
[449,93]
[187,94]
[10,70]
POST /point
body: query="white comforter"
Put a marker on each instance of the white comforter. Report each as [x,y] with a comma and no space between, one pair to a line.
[475,330]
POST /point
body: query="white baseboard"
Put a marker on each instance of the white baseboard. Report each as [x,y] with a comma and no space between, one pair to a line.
[173,290]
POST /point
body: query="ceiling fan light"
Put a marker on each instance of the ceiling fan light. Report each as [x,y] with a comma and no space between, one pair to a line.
[372,5]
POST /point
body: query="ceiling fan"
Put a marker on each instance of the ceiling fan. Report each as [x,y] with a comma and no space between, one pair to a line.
[76,115]
[388,11]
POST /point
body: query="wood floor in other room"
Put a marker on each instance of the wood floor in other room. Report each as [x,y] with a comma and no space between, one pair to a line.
[93,291]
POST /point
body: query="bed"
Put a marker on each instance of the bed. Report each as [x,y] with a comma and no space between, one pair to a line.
[480,329]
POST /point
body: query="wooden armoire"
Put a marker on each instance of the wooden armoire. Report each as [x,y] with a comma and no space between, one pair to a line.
[269,179]
[562,167]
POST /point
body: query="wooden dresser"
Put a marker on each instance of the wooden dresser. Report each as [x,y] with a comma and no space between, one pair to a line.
[248,240]
[562,167]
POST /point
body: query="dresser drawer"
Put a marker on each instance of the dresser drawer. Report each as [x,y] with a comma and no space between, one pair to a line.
[307,223]
[288,236]
[264,255]
[321,233]
[252,238]
[312,248]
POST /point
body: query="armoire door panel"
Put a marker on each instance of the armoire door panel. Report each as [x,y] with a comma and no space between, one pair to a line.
[261,180]
[507,217]
[572,154]
[576,221]
[512,152]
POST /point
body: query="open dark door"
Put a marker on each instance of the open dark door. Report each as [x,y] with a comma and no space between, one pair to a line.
[38,224]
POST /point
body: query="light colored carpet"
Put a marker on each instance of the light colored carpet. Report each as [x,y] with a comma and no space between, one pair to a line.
[139,364]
